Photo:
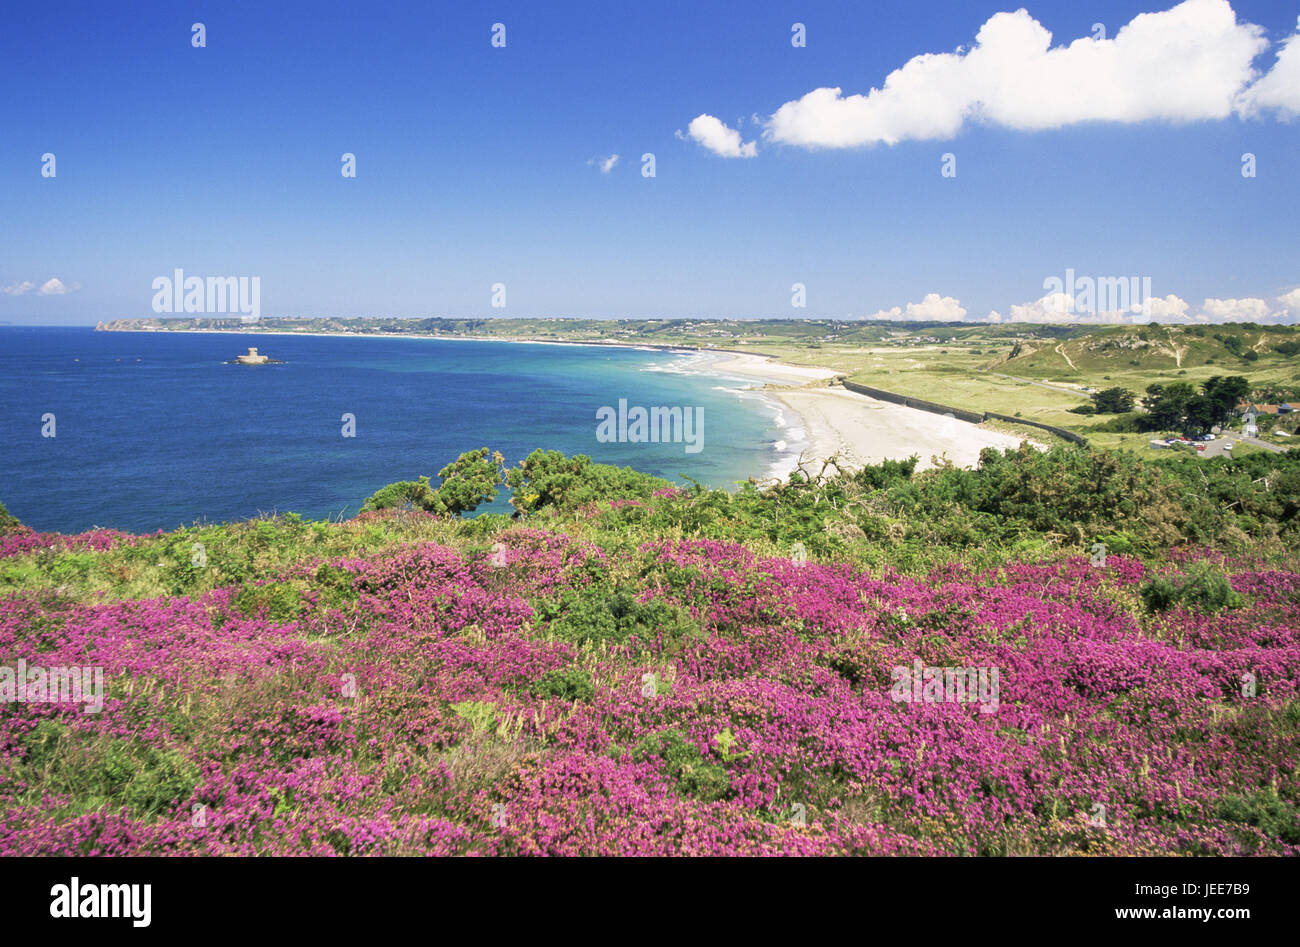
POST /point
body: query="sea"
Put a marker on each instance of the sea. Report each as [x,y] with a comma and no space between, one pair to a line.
[141,431]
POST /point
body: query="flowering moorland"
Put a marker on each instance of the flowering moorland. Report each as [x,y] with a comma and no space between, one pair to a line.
[407,684]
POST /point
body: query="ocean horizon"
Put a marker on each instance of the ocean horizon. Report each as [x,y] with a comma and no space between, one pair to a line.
[155,430]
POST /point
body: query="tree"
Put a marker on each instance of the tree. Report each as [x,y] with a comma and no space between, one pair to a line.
[1115,400]
[1167,405]
[1180,407]
[548,478]
[1221,395]
[469,480]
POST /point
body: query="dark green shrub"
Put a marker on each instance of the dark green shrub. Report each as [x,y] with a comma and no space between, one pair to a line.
[685,765]
[1273,816]
[274,602]
[336,586]
[1201,588]
[8,522]
[599,613]
[565,683]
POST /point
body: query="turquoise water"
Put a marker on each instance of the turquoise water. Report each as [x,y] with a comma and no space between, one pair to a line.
[154,431]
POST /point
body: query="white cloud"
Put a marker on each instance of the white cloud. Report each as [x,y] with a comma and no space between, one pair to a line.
[606,164]
[1191,62]
[51,287]
[1280,88]
[1250,309]
[933,308]
[55,287]
[1056,308]
[713,134]
[1168,309]
[1062,308]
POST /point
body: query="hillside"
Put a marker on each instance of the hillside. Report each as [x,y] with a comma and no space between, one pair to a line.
[626,666]
[1144,350]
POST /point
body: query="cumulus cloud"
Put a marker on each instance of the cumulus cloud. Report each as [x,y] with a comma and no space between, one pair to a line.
[55,287]
[1188,63]
[51,287]
[1168,309]
[1060,307]
[1250,309]
[606,164]
[1054,307]
[713,134]
[1280,88]
[933,308]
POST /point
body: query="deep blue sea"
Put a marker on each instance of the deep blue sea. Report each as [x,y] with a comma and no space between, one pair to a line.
[154,430]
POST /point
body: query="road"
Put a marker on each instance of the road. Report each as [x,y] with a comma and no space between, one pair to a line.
[1215,448]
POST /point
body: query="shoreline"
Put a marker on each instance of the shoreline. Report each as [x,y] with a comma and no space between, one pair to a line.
[643,346]
[813,419]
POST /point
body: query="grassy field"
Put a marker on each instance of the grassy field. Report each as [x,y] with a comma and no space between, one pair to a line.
[1041,379]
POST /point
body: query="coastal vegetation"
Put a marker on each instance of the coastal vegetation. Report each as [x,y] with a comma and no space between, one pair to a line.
[627,665]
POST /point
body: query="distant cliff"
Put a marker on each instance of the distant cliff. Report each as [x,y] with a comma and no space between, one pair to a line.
[171,325]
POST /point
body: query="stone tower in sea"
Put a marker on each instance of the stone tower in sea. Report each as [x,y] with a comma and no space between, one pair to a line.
[252,358]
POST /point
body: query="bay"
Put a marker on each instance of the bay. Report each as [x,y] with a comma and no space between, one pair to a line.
[155,431]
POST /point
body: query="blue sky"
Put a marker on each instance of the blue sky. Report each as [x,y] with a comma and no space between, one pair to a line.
[478,165]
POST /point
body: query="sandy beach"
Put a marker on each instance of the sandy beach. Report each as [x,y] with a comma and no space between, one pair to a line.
[863,431]
[859,429]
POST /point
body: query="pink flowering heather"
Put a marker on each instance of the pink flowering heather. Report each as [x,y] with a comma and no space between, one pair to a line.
[552,697]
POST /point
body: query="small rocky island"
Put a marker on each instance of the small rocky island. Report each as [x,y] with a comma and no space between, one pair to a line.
[252,358]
